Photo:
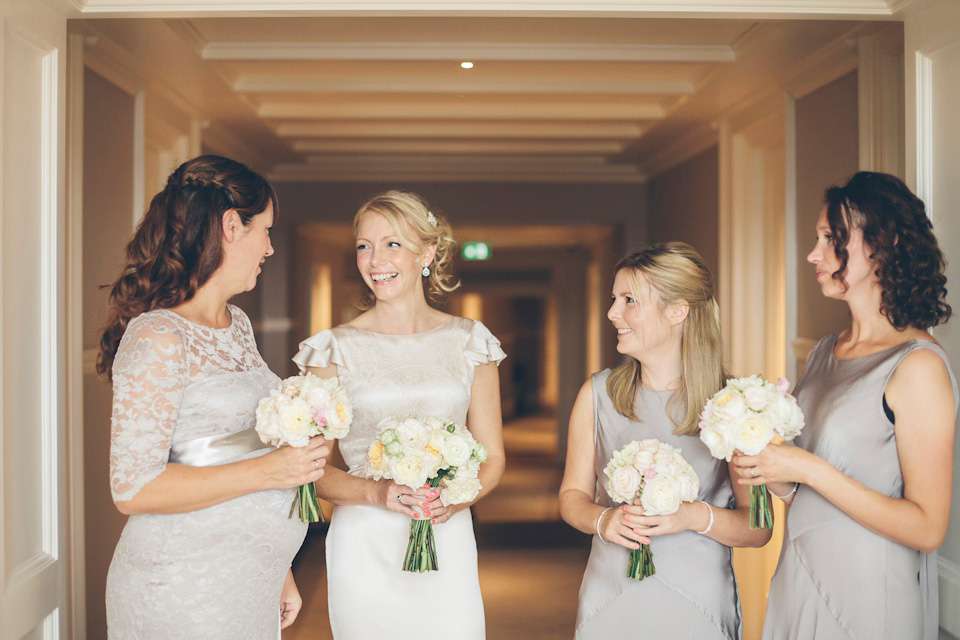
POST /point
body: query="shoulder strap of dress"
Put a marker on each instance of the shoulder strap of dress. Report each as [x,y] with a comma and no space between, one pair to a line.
[909,347]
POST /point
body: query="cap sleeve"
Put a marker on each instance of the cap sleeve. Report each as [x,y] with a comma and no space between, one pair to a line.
[149,376]
[319,350]
[482,346]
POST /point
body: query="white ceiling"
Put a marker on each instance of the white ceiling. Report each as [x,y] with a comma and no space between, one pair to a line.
[385,99]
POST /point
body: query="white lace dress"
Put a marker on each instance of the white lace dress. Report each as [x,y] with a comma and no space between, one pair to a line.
[216,572]
[421,374]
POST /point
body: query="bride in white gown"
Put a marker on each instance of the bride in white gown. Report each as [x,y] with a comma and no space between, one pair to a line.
[403,357]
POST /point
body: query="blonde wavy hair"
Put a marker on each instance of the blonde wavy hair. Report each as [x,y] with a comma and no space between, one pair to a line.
[417,227]
[677,273]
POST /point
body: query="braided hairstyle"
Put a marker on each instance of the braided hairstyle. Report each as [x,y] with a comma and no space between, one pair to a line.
[178,244]
[907,259]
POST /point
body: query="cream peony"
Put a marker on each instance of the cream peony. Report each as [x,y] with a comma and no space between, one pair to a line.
[717,442]
[752,434]
[756,398]
[460,490]
[624,483]
[296,422]
[412,434]
[661,496]
[409,470]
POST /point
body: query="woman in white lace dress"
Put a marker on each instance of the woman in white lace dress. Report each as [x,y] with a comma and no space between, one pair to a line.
[400,358]
[206,551]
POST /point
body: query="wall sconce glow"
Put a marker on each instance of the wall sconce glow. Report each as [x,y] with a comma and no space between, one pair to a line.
[466,65]
[475,251]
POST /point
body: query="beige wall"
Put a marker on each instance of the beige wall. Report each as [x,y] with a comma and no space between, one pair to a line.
[684,206]
[827,154]
[107,223]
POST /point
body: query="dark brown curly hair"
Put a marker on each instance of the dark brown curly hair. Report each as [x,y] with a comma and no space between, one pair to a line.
[895,227]
[178,244]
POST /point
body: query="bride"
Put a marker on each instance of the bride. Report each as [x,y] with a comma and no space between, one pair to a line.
[402,357]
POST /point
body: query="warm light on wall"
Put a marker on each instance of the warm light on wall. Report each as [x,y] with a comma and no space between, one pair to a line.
[321,298]
[472,306]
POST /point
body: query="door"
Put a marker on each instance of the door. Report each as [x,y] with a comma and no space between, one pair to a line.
[34,558]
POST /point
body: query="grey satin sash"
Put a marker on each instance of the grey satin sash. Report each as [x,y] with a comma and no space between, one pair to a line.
[203,452]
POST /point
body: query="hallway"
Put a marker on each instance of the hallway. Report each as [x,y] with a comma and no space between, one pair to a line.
[531,563]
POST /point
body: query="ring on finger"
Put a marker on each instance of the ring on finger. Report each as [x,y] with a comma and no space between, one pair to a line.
[399,495]
[317,462]
[753,472]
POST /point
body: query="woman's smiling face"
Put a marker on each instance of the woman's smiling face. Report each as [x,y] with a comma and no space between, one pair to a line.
[387,267]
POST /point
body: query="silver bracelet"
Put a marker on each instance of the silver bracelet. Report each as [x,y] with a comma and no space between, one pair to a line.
[790,493]
[709,524]
[599,518]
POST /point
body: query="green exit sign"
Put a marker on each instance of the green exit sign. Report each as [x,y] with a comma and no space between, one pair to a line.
[475,251]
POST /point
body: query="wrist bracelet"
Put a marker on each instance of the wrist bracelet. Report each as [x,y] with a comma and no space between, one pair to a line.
[599,518]
[788,494]
[709,524]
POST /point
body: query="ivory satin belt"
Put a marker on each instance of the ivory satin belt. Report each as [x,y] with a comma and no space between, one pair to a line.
[203,452]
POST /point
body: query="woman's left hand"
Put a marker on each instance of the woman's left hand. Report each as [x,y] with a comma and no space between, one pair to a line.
[777,463]
[685,518]
[433,508]
[290,601]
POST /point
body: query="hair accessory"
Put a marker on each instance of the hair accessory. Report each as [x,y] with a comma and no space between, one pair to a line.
[426,272]
[709,524]
[788,494]
[432,219]
[599,518]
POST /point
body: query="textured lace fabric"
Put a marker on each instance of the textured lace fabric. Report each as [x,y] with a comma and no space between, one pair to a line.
[212,573]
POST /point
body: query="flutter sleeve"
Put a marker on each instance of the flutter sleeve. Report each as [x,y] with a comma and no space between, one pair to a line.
[149,376]
[319,350]
[482,346]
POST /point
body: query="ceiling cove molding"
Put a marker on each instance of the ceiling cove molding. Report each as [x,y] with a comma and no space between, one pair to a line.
[657,8]
[314,84]
[447,111]
[477,51]
[439,147]
[297,173]
[564,130]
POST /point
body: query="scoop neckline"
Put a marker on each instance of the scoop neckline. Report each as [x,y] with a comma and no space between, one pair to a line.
[836,336]
[401,335]
[233,320]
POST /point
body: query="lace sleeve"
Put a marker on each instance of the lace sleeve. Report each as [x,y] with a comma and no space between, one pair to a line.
[148,380]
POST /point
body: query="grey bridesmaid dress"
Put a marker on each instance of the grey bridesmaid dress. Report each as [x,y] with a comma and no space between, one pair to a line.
[836,578]
[693,595]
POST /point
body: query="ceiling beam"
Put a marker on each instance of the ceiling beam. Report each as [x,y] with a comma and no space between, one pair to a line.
[477,51]
[413,84]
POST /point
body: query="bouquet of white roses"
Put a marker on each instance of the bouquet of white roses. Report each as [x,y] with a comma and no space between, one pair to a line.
[656,473]
[299,408]
[746,415]
[414,451]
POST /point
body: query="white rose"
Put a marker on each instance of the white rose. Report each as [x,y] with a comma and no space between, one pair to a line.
[460,491]
[412,434]
[624,484]
[437,438]
[470,470]
[689,484]
[729,406]
[785,416]
[649,444]
[409,471]
[643,460]
[752,434]
[456,450]
[661,496]
[296,423]
[717,442]
[756,398]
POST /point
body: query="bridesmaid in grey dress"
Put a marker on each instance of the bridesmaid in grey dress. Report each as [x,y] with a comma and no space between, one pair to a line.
[667,324]
[869,479]
[206,551]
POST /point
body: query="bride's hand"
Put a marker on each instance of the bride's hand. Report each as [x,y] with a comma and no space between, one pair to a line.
[434,508]
[290,467]
[400,498]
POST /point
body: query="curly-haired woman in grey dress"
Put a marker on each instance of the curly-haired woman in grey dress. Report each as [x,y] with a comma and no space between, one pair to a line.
[206,551]
[668,329]
[869,479]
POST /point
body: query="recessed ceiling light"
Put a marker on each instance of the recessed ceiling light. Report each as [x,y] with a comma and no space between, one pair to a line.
[466,65]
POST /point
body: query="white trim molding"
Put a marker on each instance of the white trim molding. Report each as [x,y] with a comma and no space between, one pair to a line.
[948,573]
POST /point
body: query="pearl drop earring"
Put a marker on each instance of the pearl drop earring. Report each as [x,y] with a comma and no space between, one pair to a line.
[426,272]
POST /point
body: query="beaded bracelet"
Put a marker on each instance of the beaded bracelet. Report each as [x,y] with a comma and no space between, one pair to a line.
[599,518]
[709,524]
[790,493]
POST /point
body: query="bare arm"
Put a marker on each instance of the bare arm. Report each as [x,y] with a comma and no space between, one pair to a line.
[921,397]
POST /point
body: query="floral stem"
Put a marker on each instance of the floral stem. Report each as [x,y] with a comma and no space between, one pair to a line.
[761,515]
[640,565]
[309,506]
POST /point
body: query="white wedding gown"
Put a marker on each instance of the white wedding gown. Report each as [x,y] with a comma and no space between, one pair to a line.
[216,572]
[421,374]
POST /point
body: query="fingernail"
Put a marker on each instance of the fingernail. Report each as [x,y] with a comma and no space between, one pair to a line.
[426,513]
[433,522]
[416,515]
[424,504]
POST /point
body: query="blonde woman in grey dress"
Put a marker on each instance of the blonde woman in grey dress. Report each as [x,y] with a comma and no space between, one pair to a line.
[207,548]
[667,325]
[868,482]
[402,357]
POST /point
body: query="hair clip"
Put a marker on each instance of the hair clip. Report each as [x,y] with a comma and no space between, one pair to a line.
[432,219]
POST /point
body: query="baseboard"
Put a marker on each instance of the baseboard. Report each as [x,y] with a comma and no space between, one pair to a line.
[949,574]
